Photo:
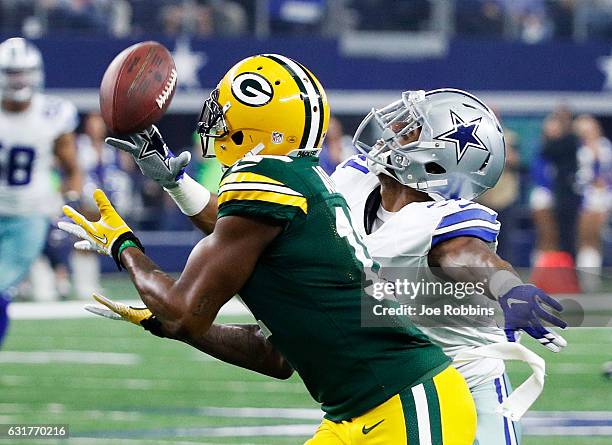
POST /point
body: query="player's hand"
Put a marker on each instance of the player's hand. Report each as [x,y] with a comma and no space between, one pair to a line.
[154,158]
[525,308]
[114,310]
[105,236]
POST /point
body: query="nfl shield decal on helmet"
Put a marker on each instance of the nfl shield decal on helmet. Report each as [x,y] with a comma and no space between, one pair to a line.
[277,137]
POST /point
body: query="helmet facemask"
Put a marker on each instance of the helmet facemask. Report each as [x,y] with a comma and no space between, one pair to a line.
[388,155]
[21,70]
[212,124]
[20,85]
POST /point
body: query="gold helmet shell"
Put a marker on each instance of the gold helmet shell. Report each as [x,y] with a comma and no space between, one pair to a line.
[265,105]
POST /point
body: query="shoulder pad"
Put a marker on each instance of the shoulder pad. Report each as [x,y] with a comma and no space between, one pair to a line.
[351,170]
[261,180]
[461,217]
[61,114]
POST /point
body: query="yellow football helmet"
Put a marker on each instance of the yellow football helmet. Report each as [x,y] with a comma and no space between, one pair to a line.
[265,105]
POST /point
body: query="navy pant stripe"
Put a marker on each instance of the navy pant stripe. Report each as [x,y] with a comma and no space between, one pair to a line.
[511,423]
[500,399]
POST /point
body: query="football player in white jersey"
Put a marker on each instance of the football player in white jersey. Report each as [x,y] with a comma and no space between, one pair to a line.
[410,193]
[35,131]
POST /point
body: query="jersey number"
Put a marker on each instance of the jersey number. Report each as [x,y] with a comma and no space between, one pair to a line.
[345,230]
[18,168]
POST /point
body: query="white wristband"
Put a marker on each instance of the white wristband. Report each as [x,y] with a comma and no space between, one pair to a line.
[502,281]
[190,196]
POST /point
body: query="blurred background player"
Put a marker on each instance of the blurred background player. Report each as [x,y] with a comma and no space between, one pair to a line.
[571,199]
[504,197]
[594,180]
[557,191]
[105,168]
[35,131]
[336,147]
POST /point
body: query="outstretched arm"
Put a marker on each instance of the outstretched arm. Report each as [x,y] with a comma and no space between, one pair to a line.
[466,259]
[216,270]
[243,345]
[184,309]
[525,306]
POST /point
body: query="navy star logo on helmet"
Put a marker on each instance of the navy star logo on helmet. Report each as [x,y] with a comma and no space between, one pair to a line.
[463,135]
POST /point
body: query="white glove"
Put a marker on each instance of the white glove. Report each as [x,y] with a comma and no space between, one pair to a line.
[155,160]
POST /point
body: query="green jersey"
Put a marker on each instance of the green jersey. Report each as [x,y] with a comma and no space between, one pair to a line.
[306,289]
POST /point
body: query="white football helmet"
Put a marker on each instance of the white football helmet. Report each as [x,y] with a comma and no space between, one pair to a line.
[21,70]
[460,152]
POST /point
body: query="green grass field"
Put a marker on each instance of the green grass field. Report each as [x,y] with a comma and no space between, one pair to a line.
[150,390]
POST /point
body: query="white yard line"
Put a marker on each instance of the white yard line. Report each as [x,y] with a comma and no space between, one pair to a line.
[549,431]
[74,309]
[222,431]
[66,356]
[107,384]
[574,368]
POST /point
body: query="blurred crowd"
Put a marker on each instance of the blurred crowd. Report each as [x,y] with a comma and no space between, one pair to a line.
[531,21]
[563,196]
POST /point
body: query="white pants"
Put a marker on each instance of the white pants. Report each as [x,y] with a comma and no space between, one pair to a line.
[493,428]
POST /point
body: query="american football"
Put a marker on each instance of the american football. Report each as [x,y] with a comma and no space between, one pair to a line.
[137,87]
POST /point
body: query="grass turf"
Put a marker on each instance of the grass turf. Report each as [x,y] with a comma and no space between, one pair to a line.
[171,383]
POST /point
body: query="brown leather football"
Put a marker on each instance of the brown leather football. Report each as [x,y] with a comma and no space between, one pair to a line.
[137,87]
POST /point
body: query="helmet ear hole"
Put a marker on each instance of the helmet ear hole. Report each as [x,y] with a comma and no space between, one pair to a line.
[485,163]
[434,168]
[238,137]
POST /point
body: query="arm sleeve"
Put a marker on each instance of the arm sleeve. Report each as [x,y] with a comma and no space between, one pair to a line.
[466,218]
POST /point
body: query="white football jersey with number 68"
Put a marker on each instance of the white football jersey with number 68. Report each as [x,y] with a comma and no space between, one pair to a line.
[27,141]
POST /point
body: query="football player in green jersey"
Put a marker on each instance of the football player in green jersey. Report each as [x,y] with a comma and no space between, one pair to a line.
[282,238]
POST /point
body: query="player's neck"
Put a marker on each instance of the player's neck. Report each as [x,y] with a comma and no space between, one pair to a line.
[12,106]
[395,195]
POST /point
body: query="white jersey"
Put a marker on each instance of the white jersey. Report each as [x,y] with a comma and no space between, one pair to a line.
[403,239]
[27,141]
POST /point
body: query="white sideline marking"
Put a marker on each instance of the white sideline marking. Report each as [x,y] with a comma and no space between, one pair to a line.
[549,431]
[63,356]
[582,415]
[245,431]
[222,431]
[74,309]
[108,384]
[263,413]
